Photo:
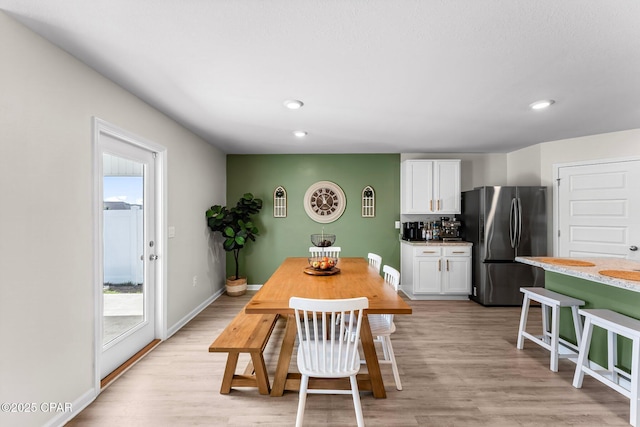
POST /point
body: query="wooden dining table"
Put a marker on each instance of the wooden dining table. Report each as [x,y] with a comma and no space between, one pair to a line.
[355,279]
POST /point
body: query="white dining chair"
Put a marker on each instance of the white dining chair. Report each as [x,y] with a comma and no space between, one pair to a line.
[382,327]
[322,352]
[329,251]
[375,261]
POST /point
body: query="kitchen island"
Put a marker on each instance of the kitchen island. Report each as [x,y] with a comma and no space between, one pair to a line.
[598,290]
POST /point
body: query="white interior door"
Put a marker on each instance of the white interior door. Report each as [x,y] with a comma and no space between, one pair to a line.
[599,210]
[127,246]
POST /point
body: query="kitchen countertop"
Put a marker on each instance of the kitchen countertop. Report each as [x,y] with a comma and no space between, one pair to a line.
[435,243]
[591,273]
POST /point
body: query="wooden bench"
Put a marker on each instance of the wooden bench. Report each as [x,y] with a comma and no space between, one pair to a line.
[247,333]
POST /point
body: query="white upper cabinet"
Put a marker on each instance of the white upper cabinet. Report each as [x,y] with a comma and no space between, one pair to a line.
[446,186]
[430,187]
[416,184]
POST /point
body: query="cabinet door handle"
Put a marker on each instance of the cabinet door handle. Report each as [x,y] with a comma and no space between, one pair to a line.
[428,252]
[439,265]
[438,204]
[458,252]
[431,205]
[447,265]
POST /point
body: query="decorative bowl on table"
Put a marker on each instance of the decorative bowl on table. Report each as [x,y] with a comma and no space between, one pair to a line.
[320,263]
[323,240]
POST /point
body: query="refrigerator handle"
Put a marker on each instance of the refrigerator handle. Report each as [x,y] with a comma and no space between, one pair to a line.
[519,233]
[512,223]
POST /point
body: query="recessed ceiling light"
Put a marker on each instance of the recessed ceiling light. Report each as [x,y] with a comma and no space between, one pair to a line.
[299,133]
[542,104]
[293,104]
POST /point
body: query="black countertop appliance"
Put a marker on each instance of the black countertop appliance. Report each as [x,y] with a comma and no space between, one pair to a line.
[412,231]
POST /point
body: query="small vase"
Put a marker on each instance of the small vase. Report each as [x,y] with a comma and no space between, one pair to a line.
[236,287]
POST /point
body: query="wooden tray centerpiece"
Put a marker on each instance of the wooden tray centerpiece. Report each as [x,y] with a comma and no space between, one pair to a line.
[313,272]
[322,266]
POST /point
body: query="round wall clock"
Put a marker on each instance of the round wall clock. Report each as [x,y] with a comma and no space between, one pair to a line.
[324,201]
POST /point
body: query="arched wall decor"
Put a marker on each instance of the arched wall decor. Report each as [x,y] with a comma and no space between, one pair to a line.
[280,202]
[368,202]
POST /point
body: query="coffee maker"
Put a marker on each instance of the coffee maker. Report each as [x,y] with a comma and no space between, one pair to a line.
[411,231]
[449,230]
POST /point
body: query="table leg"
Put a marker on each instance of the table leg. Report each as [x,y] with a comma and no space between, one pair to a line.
[284,359]
[368,346]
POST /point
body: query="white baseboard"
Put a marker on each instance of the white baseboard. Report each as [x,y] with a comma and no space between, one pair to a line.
[193,313]
[76,407]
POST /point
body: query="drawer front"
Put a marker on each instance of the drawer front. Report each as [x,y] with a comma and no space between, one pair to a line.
[457,251]
[427,251]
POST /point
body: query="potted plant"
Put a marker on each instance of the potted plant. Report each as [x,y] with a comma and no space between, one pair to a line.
[237,229]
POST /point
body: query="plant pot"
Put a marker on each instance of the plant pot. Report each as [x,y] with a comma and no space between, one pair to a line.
[236,287]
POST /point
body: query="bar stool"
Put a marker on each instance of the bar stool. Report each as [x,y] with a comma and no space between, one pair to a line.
[550,338]
[615,324]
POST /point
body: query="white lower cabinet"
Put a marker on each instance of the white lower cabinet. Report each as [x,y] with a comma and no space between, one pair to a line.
[436,271]
[427,268]
[457,277]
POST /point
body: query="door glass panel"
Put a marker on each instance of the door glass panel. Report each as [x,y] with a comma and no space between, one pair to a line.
[123,236]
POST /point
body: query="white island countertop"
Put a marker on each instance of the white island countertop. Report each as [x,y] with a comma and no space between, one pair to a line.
[591,272]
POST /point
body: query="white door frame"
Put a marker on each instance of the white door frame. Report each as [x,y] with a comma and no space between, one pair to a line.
[102,127]
[556,195]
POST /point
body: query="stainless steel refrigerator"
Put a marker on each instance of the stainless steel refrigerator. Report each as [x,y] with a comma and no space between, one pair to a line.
[503,223]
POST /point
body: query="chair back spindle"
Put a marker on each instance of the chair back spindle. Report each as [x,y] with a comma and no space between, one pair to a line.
[330,251]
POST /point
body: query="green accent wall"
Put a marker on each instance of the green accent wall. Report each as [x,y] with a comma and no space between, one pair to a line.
[596,295]
[288,237]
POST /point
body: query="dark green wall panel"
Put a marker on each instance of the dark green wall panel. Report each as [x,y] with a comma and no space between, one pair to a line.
[285,237]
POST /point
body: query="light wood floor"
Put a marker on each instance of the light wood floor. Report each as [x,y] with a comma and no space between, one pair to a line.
[458,362]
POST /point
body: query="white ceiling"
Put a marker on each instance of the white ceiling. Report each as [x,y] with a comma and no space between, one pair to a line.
[376,76]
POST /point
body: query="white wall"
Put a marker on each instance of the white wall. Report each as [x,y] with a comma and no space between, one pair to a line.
[534,165]
[476,169]
[47,101]
[523,166]
[612,145]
